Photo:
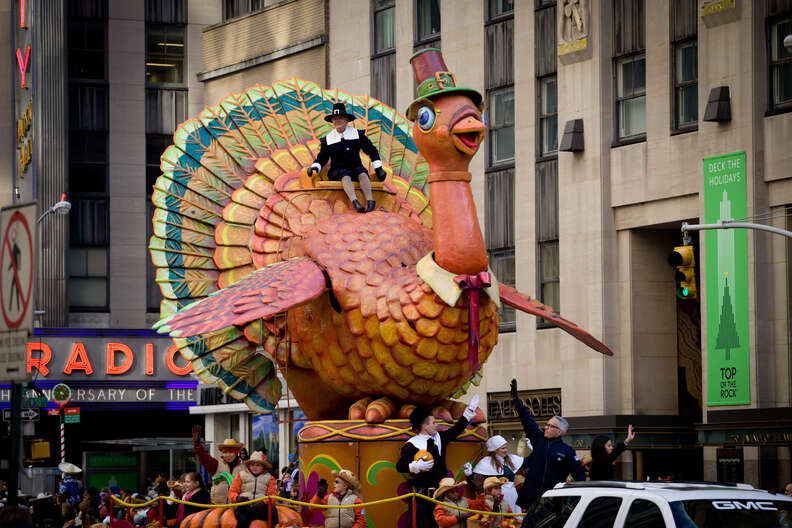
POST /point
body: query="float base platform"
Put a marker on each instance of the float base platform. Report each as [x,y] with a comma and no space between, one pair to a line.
[371,451]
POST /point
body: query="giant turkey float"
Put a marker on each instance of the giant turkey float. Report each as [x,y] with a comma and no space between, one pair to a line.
[265,269]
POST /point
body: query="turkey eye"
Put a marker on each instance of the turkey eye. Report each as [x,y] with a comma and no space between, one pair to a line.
[426,117]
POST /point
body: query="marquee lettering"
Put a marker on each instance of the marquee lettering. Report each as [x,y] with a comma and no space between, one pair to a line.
[78,360]
[129,358]
[179,371]
[133,358]
[39,363]
[23,65]
[149,359]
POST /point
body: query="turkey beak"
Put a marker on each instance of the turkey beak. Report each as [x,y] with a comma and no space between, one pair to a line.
[468,134]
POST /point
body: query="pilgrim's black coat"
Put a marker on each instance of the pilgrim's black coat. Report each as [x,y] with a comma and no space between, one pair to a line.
[344,156]
[431,478]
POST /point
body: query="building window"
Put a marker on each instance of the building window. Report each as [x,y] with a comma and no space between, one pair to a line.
[89,219]
[500,107]
[237,8]
[499,212]
[686,84]
[166,11]
[499,8]
[384,25]
[383,57]
[780,65]
[631,96]
[87,43]
[547,235]
[164,54]
[166,107]
[427,20]
[548,116]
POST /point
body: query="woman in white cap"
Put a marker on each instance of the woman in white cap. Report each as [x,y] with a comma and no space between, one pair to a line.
[500,463]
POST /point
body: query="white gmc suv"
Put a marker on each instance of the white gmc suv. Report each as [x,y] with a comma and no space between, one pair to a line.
[627,504]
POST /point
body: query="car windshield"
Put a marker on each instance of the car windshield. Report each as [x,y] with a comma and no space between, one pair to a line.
[732,513]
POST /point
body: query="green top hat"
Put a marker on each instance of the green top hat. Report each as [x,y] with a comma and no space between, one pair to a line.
[433,78]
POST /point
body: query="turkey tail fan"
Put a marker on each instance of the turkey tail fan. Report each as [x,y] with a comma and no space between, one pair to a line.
[229,360]
[231,200]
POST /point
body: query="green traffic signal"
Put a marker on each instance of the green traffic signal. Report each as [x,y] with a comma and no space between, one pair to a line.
[684,262]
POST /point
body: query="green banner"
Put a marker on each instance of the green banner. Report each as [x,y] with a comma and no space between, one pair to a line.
[726,275]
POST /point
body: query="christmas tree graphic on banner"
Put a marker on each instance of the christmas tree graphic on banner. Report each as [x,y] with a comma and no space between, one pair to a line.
[728,338]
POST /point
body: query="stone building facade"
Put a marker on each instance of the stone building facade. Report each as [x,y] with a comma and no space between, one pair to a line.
[589,231]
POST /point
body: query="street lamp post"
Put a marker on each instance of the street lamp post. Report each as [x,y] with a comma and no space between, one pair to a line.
[61,208]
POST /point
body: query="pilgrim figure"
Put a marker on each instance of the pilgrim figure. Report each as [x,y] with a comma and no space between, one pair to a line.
[423,457]
[342,148]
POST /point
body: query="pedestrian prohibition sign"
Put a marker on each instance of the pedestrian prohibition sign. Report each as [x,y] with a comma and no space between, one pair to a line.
[16,268]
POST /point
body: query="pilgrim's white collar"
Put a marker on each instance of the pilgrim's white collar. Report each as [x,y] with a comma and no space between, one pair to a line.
[442,281]
[420,440]
[349,133]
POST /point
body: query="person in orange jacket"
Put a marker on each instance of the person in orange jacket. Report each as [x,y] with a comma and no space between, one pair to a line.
[445,514]
[346,488]
[254,482]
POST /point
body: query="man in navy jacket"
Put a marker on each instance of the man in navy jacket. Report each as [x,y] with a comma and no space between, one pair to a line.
[342,148]
[551,460]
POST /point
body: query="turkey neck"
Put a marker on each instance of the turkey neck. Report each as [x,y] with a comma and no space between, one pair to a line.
[458,244]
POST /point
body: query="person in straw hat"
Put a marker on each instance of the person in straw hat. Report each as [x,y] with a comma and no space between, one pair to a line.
[342,148]
[70,485]
[493,502]
[252,483]
[346,492]
[446,515]
[225,469]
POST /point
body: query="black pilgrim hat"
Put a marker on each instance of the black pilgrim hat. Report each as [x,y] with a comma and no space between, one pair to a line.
[338,110]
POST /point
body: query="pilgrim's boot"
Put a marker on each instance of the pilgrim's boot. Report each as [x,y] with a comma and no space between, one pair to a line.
[370,205]
[358,206]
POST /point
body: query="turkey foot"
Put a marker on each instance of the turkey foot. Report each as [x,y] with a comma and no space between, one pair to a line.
[378,410]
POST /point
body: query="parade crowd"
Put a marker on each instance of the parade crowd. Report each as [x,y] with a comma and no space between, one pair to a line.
[499,482]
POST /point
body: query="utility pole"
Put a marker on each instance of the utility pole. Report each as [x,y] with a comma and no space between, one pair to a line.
[16,447]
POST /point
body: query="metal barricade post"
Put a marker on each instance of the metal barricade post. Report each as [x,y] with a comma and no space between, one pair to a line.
[413,512]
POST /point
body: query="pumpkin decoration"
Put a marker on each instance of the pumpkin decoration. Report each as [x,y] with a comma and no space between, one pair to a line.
[426,456]
[224,518]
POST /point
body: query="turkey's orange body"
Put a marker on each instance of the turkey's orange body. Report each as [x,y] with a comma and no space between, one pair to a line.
[393,336]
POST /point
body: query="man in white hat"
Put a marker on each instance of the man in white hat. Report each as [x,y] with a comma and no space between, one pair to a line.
[346,489]
[222,471]
[252,483]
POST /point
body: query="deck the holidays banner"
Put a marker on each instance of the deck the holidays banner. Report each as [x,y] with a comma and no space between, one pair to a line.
[726,276]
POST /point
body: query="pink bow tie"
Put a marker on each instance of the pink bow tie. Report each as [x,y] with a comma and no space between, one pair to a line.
[473,284]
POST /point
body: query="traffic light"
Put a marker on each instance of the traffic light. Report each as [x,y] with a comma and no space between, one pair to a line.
[685,274]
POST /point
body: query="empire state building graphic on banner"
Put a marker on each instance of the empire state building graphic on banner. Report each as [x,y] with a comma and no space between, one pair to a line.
[728,339]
